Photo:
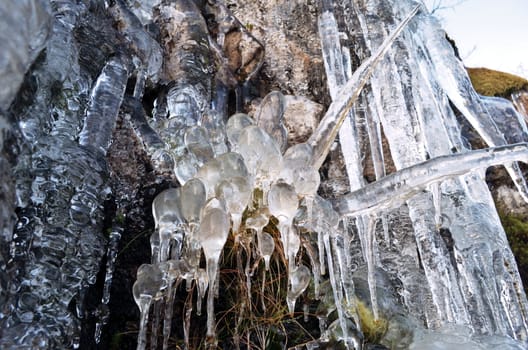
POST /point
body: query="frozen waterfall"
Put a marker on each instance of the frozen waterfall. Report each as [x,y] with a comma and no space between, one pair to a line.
[159,122]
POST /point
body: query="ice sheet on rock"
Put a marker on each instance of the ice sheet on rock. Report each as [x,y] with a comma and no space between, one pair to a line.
[22,41]
[510,122]
[144,46]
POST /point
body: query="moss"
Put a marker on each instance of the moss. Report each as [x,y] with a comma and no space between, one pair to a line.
[373,329]
[517,232]
[494,83]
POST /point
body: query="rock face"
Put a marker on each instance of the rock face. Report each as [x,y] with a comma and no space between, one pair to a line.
[66,199]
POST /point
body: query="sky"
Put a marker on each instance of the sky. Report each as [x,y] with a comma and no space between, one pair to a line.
[489,33]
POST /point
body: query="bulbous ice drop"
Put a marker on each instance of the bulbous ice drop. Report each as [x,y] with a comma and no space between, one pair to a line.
[149,282]
[261,155]
[214,202]
[193,198]
[283,201]
[185,167]
[299,279]
[234,127]
[197,141]
[299,155]
[283,204]
[168,219]
[270,117]
[236,192]
[306,181]
[266,247]
[213,232]
[258,220]
[223,167]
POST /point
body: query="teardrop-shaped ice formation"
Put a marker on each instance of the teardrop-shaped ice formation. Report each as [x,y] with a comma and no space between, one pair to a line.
[193,198]
[148,284]
[261,155]
[266,247]
[283,204]
[270,117]
[168,219]
[185,166]
[213,232]
[234,127]
[223,167]
[299,279]
[197,141]
[296,157]
[236,193]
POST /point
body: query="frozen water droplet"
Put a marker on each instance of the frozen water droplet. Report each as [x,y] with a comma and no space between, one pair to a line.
[193,198]
[236,192]
[270,116]
[223,167]
[234,127]
[167,218]
[266,246]
[261,155]
[283,204]
[299,279]
[196,140]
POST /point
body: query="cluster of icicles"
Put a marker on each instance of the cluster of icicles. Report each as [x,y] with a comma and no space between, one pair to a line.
[255,178]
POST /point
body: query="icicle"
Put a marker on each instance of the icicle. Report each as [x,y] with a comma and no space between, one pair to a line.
[314,262]
[324,136]
[115,237]
[337,291]
[397,187]
[283,204]
[105,101]
[367,231]
[299,279]
[435,190]
[212,234]
[148,284]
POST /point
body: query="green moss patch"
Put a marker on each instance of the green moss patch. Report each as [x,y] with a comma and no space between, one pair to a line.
[494,83]
[517,231]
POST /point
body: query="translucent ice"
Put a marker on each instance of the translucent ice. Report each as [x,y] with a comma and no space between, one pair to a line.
[299,279]
[234,127]
[283,204]
[212,235]
[168,220]
[236,192]
[269,117]
[193,197]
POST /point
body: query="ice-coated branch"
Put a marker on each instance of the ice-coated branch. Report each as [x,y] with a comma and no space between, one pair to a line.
[105,101]
[394,189]
[324,136]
